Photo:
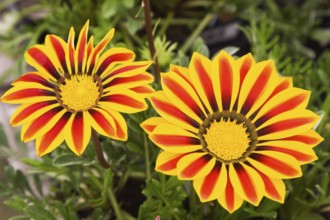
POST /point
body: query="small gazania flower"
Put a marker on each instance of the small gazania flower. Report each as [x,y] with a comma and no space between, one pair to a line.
[234,127]
[76,89]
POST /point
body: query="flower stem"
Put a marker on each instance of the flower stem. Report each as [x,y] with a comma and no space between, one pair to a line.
[115,204]
[147,18]
[147,156]
[98,151]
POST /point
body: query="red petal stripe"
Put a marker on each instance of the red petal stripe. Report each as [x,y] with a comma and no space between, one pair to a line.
[184,95]
[77,131]
[48,138]
[182,75]
[171,164]
[28,93]
[275,164]
[269,186]
[298,155]
[257,88]
[119,57]
[304,139]
[29,110]
[246,182]
[81,51]
[283,85]
[44,61]
[226,80]
[102,121]
[59,50]
[40,122]
[174,111]
[123,100]
[32,77]
[142,89]
[206,83]
[122,70]
[245,69]
[175,140]
[229,194]
[119,80]
[193,168]
[285,106]
[284,125]
[210,181]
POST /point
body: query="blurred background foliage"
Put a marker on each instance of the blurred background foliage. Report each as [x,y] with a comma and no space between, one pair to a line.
[295,34]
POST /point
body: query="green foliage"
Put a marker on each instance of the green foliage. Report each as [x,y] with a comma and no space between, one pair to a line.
[63,186]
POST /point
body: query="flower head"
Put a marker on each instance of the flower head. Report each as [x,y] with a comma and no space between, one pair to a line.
[76,88]
[234,127]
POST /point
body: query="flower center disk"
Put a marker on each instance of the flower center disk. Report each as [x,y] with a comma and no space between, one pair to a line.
[227,139]
[79,92]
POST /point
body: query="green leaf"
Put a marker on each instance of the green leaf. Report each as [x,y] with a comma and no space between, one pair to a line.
[16,202]
[20,217]
[64,160]
[39,213]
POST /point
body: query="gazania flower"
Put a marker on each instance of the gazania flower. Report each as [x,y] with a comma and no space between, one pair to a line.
[75,89]
[234,127]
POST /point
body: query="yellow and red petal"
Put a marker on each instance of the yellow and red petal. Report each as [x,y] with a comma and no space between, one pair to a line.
[95,53]
[54,137]
[24,94]
[245,63]
[102,122]
[28,112]
[36,128]
[70,55]
[129,82]
[43,60]
[195,165]
[246,182]
[172,113]
[201,79]
[213,185]
[230,200]
[175,139]
[274,188]
[121,126]
[81,50]
[300,151]
[225,80]
[275,164]
[289,99]
[178,91]
[126,69]
[123,101]
[287,124]
[310,138]
[78,132]
[33,77]
[181,71]
[167,162]
[283,83]
[258,85]
[151,123]
[110,58]
[143,90]
[59,47]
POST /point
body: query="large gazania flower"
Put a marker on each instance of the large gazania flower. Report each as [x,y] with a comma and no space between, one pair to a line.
[234,127]
[76,89]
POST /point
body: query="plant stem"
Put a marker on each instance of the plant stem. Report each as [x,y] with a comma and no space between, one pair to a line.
[98,150]
[150,38]
[115,204]
[147,156]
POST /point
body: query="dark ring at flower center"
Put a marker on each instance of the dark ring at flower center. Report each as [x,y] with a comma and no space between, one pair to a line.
[78,92]
[228,136]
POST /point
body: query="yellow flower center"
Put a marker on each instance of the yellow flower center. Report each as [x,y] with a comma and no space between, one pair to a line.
[227,139]
[79,92]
